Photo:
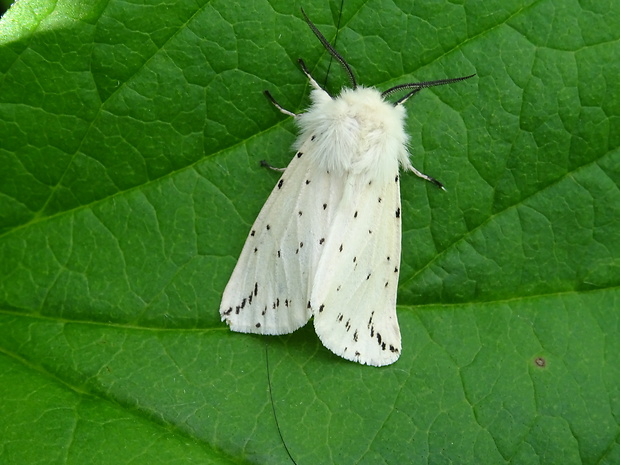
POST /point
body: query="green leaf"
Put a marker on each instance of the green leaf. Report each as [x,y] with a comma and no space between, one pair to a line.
[130,140]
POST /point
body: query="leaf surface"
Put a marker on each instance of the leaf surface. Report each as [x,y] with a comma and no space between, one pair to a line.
[130,141]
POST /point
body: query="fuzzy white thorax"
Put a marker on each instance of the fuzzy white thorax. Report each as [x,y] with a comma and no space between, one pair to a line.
[357,133]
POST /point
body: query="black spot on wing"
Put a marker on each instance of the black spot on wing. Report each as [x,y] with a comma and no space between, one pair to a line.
[398,212]
[280,183]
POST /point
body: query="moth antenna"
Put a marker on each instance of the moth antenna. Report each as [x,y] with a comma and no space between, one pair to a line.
[418,86]
[332,51]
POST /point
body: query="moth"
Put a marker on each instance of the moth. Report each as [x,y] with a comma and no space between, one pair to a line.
[327,242]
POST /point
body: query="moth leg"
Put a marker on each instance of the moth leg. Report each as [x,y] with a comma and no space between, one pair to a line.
[425,176]
[308,75]
[278,106]
[265,164]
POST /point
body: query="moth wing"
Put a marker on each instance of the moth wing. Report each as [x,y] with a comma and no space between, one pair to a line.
[354,291]
[268,292]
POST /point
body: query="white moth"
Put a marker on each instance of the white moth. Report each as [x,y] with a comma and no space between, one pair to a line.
[327,242]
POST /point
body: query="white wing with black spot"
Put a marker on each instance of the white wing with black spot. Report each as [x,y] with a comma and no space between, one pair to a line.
[269,290]
[353,295]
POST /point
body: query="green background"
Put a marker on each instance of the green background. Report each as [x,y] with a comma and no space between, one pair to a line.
[130,140]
